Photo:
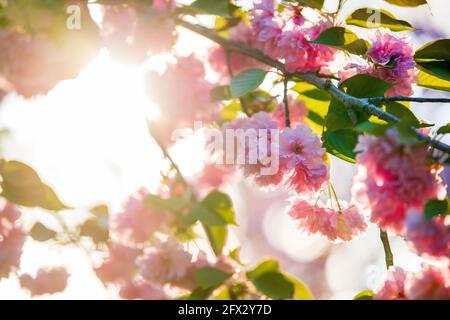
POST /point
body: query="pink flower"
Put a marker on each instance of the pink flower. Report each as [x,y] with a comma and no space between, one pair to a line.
[335,224]
[301,56]
[302,155]
[428,237]
[119,265]
[297,113]
[136,223]
[33,64]
[430,284]
[12,238]
[256,149]
[46,281]
[393,287]
[142,290]
[267,27]
[392,178]
[392,60]
[191,99]
[243,34]
[165,262]
[131,36]
[212,176]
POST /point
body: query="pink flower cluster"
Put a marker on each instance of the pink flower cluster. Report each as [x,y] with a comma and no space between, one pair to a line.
[137,223]
[131,35]
[301,156]
[392,178]
[12,238]
[337,224]
[46,281]
[217,58]
[148,273]
[432,283]
[138,261]
[33,64]
[286,36]
[212,176]
[182,94]
[430,238]
[392,60]
[302,169]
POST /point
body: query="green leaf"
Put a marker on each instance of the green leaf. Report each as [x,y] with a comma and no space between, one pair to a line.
[316,101]
[365,17]
[231,111]
[215,210]
[430,81]
[435,207]
[268,279]
[365,86]
[274,285]
[217,236]
[359,86]
[247,81]
[221,204]
[364,295]
[434,58]
[407,3]
[198,294]
[406,133]
[221,8]
[209,277]
[316,4]
[221,93]
[22,185]
[402,112]
[341,143]
[93,229]
[174,203]
[264,267]
[343,39]
[39,232]
[301,291]
[376,129]
[234,254]
[207,216]
[444,129]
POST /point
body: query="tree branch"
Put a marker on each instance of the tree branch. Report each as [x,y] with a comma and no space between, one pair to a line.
[411,99]
[314,79]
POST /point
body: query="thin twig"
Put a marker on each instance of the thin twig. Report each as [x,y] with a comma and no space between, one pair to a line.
[411,99]
[323,84]
[389,257]
[168,157]
[287,114]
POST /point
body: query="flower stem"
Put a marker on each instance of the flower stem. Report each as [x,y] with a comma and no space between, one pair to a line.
[336,197]
[389,257]
[287,114]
